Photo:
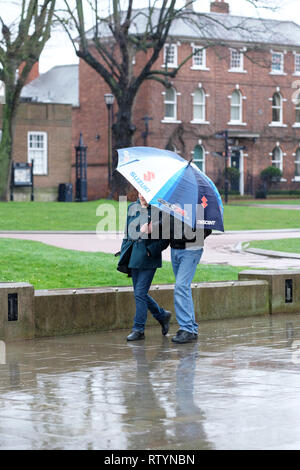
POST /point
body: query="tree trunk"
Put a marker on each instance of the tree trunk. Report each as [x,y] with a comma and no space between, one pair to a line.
[6,145]
[122,131]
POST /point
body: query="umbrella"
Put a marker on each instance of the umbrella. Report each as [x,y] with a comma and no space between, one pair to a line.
[174,185]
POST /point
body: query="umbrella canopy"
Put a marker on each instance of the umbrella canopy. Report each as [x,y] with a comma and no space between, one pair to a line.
[174,185]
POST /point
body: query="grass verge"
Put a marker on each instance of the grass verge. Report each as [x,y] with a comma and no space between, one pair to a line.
[48,267]
[288,245]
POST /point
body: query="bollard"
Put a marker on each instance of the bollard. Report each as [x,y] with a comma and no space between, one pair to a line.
[16,311]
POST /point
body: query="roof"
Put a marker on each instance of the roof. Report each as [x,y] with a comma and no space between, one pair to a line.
[59,85]
[218,27]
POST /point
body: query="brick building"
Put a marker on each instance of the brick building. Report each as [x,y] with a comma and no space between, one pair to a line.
[242,77]
[44,128]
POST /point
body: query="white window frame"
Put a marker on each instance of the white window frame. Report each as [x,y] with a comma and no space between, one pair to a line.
[296,63]
[280,161]
[201,104]
[275,71]
[174,63]
[297,163]
[280,108]
[232,68]
[203,156]
[198,66]
[174,103]
[297,108]
[30,157]
[240,106]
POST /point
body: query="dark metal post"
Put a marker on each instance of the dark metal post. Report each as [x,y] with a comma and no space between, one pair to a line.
[109,145]
[81,171]
[146,132]
[226,166]
[32,182]
[12,178]
[109,101]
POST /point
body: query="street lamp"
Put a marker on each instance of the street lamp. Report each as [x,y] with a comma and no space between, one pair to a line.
[109,101]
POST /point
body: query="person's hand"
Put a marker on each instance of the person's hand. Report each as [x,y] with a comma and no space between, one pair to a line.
[146,228]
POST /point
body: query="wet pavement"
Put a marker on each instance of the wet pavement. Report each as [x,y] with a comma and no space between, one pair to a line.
[236,388]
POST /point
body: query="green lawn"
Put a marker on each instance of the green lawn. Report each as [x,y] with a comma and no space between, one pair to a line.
[290,245]
[61,215]
[84,216]
[247,202]
[48,267]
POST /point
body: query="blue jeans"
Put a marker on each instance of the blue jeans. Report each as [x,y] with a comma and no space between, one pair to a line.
[184,264]
[142,279]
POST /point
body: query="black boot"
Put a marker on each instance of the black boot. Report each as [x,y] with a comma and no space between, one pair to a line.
[165,323]
[135,336]
[183,336]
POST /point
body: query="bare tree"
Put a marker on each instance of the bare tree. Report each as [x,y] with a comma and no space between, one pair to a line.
[21,44]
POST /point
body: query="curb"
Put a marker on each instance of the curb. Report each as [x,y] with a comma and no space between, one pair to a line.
[273,254]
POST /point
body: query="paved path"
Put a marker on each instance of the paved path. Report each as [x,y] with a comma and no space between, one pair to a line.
[295,207]
[219,248]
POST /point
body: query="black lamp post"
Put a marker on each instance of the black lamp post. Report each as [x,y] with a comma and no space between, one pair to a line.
[146,132]
[109,101]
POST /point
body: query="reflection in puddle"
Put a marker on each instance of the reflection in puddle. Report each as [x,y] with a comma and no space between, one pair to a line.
[96,391]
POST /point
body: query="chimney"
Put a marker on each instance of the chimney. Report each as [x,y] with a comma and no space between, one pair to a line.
[219,6]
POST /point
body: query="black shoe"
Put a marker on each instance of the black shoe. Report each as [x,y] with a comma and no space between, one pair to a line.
[135,336]
[195,336]
[183,336]
[165,323]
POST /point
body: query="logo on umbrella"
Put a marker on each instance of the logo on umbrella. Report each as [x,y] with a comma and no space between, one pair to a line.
[204,202]
[149,176]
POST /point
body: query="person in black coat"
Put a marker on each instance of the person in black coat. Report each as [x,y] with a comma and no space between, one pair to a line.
[140,256]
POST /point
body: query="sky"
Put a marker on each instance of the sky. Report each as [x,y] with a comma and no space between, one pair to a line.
[59,50]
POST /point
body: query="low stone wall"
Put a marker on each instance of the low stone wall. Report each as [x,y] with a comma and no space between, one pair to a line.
[16,311]
[57,312]
[284,288]
[68,311]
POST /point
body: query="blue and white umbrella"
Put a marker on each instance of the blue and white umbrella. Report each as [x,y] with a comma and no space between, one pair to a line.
[174,185]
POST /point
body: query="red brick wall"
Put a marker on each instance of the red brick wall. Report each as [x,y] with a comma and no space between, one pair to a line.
[257,86]
[55,120]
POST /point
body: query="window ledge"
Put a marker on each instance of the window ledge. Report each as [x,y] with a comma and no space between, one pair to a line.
[296,179]
[278,73]
[169,66]
[195,121]
[194,67]
[233,123]
[237,71]
[275,124]
[283,180]
[170,121]
[296,74]
[297,124]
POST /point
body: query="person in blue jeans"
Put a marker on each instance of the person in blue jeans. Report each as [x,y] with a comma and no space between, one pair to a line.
[140,256]
[185,256]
